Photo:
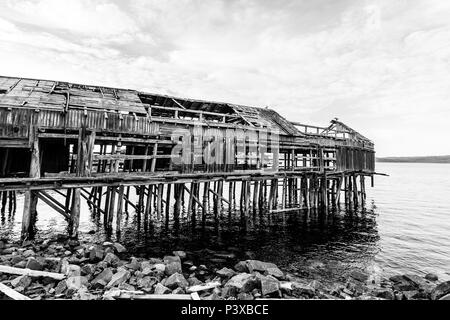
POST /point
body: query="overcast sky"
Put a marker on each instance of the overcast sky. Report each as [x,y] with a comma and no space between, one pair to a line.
[382,67]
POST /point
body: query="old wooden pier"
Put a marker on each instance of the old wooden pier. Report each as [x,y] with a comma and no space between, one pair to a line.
[64,143]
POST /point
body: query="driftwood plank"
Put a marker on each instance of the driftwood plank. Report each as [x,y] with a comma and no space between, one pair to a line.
[31,273]
[207,286]
[13,294]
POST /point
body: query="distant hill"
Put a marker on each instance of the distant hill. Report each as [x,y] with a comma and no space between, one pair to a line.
[429,159]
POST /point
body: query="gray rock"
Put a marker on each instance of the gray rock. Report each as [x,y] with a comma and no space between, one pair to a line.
[384,294]
[402,283]
[16,259]
[244,282]
[61,287]
[245,296]
[225,272]
[119,248]
[146,265]
[269,285]
[34,264]
[84,295]
[193,281]
[21,281]
[178,291]
[28,253]
[256,265]
[128,287]
[118,278]
[411,295]
[180,254]
[96,253]
[173,265]
[160,289]
[176,280]
[419,281]
[111,259]
[73,270]
[241,266]
[441,290]
[147,282]
[275,272]
[102,279]
[134,264]
[299,289]
[87,269]
[75,283]
[159,267]
[431,277]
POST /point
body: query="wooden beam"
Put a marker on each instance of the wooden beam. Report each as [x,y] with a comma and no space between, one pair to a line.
[31,273]
[13,294]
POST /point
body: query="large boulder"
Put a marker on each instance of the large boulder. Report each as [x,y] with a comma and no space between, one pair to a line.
[147,282]
[225,272]
[34,264]
[431,277]
[102,279]
[269,285]
[173,265]
[180,254]
[75,283]
[256,265]
[134,264]
[21,281]
[241,266]
[111,259]
[384,294]
[402,283]
[441,290]
[96,253]
[119,248]
[73,270]
[300,289]
[118,278]
[420,282]
[160,289]
[176,280]
[244,282]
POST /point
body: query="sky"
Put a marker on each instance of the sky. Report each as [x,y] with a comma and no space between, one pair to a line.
[382,67]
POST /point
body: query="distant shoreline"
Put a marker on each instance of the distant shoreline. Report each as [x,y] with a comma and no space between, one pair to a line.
[427,159]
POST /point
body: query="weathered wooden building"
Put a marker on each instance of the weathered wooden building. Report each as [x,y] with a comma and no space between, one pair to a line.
[91,143]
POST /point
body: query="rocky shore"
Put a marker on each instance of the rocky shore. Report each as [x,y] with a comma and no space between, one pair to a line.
[61,268]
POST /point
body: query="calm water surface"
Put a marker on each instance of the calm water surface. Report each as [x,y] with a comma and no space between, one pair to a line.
[405,228]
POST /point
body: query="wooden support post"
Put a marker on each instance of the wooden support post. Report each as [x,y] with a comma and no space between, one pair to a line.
[191,197]
[230,195]
[148,206]
[324,191]
[159,201]
[283,193]
[119,209]
[355,190]
[205,200]
[261,195]
[169,186]
[255,196]
[106,208]
[363,189]
[112,204]
[31,199]
[75,214]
